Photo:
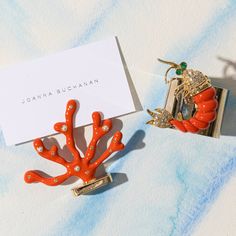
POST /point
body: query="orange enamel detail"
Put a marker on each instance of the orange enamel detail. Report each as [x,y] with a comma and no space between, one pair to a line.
[178,125]
[206,112]
[190,127]
[81,167]
[198,123]
[205,95]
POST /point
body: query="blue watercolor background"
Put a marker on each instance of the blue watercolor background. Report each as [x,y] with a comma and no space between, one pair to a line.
[173,179]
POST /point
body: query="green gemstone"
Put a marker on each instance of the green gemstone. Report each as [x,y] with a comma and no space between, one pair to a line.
[179,72]
[183,65]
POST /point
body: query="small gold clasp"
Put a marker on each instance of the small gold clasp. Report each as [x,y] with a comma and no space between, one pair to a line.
[92,185]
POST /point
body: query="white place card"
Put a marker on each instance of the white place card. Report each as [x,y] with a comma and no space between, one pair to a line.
[34,94]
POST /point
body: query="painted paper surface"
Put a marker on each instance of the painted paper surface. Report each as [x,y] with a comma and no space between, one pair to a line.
[166,182]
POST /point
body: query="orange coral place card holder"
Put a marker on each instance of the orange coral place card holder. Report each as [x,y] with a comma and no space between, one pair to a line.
[81,167]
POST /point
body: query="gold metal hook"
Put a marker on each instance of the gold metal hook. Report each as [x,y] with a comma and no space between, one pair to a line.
[172,66]
[166,80]
[168,62]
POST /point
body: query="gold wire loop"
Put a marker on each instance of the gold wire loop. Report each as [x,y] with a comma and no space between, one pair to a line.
[172,66]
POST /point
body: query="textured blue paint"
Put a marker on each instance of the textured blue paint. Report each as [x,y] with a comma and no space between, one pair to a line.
[208,34]
[181,177]
[96,23]
[190,202]
[16,18]
[75,224]
[210,194]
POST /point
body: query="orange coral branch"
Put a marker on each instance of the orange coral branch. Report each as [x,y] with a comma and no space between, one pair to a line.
[66,128]
[80,167]
[99,130]
[114,146]
[51,154]
[33,176]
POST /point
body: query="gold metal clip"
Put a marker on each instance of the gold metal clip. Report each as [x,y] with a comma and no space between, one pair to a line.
[92,185]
